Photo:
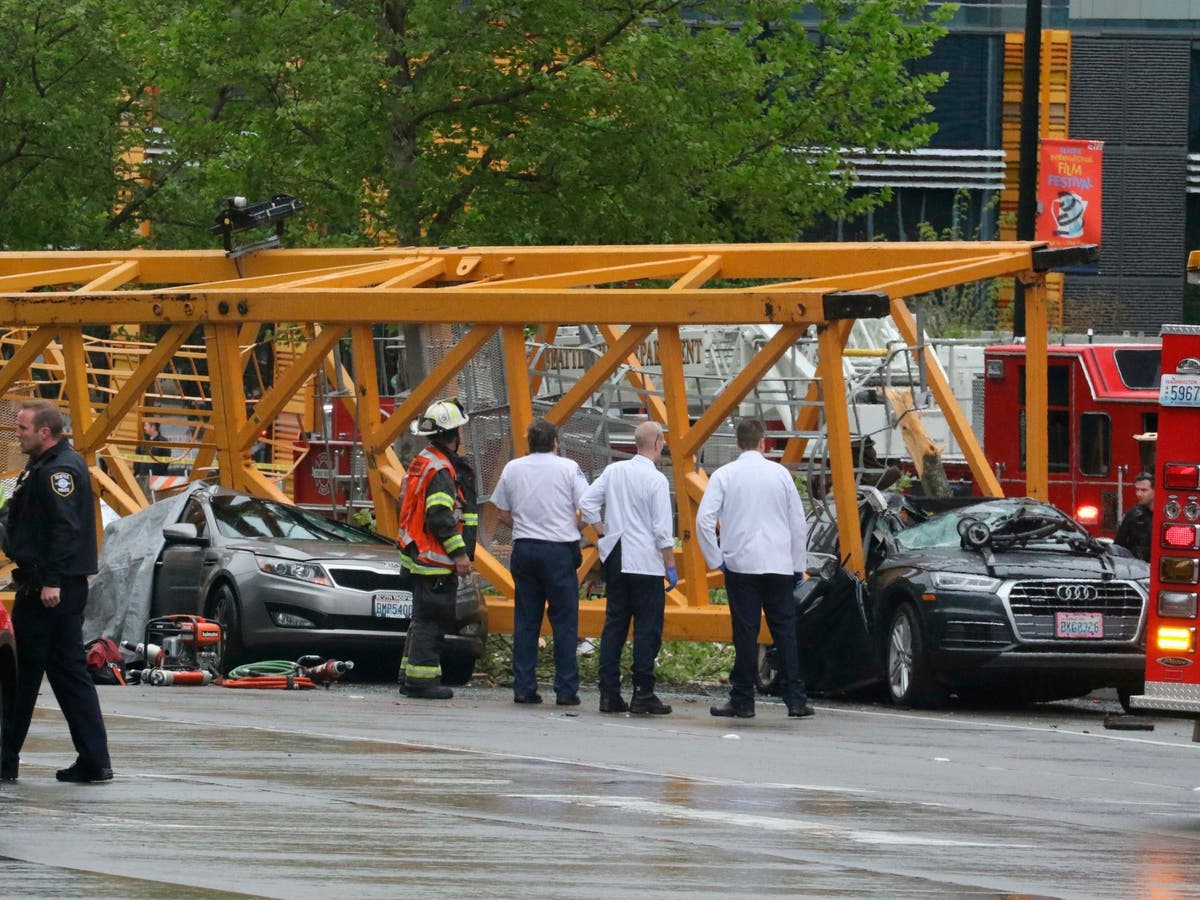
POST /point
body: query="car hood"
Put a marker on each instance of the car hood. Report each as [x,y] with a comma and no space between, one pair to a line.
[1020,564]
[319,550]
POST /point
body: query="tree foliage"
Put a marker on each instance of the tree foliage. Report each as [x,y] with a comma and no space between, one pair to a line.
[422,121]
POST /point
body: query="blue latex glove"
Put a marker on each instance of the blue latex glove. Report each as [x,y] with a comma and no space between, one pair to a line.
[672,577]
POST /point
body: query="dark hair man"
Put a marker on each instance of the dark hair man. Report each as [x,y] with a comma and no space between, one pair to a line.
[438,524]
[51,536]
[761,546]
[538,495]
[1134,531]
[637,551]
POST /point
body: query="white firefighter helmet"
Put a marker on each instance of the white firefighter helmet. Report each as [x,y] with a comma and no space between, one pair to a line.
[442,415]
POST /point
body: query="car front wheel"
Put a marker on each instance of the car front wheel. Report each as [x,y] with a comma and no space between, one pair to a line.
[223,608]
[910,680]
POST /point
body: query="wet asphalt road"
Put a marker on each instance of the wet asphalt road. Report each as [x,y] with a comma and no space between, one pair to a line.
[353,792]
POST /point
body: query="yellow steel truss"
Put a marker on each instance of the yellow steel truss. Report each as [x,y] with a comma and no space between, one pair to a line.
[51,302]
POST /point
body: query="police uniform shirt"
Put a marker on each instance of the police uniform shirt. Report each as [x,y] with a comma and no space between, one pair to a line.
[762,519]
[52,518]
[542,492]
[637,503]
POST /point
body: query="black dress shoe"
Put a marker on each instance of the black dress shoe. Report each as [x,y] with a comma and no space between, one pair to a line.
[427,692]
[82,774]
[730,711]
[648,704]
[8,774]
[573,700]
[614,704]
[528,698]
[800,711]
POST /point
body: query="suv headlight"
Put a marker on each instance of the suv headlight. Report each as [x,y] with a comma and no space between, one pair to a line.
[313,573]
[970,584]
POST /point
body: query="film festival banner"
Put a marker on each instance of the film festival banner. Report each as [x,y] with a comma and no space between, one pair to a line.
[1069,176]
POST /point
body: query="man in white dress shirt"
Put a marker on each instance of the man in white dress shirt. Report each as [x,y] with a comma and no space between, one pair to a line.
[637,550]
[538,495]
[761,547]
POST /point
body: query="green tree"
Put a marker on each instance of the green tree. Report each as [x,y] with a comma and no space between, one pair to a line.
[525,121]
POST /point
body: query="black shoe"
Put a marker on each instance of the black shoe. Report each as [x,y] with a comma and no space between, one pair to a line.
[573,700]
[535,697]
[427,692]
[403,689]
[8,771]
[614,704]
[800,711]
[730,711]
[648,704]
[83,774]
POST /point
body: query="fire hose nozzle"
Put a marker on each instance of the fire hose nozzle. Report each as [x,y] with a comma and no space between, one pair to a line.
[159,677]
[328,671]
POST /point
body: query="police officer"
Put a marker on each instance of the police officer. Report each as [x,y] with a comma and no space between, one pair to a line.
[1134,531]
[761,546]
[438,523]
[51,536]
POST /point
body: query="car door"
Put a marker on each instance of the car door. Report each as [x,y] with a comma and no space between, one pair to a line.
[181,574]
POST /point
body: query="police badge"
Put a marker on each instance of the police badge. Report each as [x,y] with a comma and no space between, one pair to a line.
[63,483]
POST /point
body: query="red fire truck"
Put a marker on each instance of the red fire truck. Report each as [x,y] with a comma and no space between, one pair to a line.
[1172,672]
[1100,396]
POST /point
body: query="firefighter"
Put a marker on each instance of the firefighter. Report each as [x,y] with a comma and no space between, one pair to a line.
[438,522]
[1134,531]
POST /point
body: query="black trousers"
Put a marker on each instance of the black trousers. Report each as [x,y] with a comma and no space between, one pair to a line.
[640,598]
[751,597]
[434,599]
[50,643]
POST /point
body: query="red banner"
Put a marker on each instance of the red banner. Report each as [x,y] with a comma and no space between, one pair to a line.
[1069,176]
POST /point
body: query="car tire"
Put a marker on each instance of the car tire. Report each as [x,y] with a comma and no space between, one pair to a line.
[907,670]
[457,670]
[767,674]
[1124,692]
[223,607]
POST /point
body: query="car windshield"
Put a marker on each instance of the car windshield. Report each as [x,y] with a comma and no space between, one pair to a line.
[254,517]
[1002,518]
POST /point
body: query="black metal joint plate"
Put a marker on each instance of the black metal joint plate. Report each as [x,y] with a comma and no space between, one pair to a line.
[856,305]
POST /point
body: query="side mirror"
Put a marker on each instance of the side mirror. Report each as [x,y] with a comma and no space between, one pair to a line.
[183,533]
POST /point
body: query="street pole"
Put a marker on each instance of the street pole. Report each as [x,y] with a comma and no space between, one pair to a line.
[1031,73]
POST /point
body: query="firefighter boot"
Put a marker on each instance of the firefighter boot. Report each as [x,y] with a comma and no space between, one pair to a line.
[429,690]
[403,677]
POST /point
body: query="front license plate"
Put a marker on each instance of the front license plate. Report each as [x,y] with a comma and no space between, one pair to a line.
[394,605]
[1179,390]
[1078,625]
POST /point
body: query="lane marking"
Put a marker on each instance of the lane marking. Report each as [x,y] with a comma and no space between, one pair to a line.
[762,823]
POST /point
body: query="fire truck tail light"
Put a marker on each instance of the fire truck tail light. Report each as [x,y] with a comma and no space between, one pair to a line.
[1179,570]
[1087,515]
[1176,639]
[1177,605]
[1181,476]
[1179,537]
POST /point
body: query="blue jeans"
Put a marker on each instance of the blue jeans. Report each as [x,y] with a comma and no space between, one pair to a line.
[750,597]
[639,598]
[544,576]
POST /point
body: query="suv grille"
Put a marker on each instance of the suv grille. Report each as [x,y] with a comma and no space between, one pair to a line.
[369,579]
[1034,604]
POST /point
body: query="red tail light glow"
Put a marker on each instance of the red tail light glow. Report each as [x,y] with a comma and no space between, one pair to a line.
[1087,514]
[1181,476]
[1179,537]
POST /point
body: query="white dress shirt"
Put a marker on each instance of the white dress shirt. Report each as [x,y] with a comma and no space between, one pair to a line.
[762,519]
[637,504]
[542,491]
